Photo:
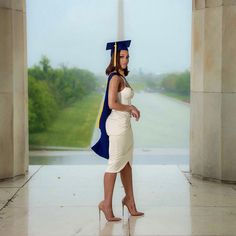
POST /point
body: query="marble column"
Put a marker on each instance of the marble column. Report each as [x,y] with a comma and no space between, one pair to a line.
[120,21]
[213,90]
[14,157]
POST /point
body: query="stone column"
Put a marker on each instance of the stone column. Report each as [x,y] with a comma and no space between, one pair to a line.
[14,157]
[120,21]
[213,90]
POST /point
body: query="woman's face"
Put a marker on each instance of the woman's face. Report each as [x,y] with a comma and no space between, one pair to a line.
[124,58]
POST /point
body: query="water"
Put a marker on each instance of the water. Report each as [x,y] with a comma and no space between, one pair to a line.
[164,121]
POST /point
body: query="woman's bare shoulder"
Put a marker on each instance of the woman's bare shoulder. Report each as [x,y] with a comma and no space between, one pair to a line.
[115,78]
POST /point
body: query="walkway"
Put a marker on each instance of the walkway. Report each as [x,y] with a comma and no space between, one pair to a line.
[61,200]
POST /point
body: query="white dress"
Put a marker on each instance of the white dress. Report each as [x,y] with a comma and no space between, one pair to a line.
[119,130]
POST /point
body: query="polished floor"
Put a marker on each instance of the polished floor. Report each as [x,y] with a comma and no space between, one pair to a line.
[61,200]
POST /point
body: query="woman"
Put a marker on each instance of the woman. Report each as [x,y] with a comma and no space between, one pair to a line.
[116,120]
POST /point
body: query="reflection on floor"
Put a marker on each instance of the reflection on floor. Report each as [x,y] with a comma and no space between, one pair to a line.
[62,200]
[142,156]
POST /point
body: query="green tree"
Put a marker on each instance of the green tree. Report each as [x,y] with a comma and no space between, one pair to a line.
[53,89]
[42,105]
[45,64]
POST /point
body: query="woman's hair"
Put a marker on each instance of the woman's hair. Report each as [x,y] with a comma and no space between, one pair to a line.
[111,67]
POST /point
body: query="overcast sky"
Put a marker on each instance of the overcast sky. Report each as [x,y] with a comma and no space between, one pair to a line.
[75,32]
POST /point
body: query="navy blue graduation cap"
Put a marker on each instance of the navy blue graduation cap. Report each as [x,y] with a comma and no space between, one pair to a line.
[118,45]
[101,147]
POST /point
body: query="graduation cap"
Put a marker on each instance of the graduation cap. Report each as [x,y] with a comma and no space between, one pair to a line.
[118,45]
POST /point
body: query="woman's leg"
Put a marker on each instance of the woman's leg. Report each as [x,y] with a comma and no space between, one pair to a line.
[126,178]
[109,183]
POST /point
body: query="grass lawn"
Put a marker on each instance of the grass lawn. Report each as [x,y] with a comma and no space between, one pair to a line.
[73,126]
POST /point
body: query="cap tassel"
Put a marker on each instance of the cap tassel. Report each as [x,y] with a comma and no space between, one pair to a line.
[115,45]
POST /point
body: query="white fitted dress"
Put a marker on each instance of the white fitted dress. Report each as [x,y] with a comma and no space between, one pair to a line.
[119,130]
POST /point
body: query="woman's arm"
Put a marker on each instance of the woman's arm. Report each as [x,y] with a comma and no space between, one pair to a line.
[112,96]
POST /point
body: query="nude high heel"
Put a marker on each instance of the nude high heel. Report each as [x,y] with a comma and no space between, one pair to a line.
[107,218]
[131,211]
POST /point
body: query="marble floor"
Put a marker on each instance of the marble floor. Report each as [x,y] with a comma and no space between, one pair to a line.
[61,200]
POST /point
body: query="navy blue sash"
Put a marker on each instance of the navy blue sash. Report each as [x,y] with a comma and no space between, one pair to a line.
[101,148]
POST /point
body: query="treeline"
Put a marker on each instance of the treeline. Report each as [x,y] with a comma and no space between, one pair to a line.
[51,89]
[172,82]
[177,82]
